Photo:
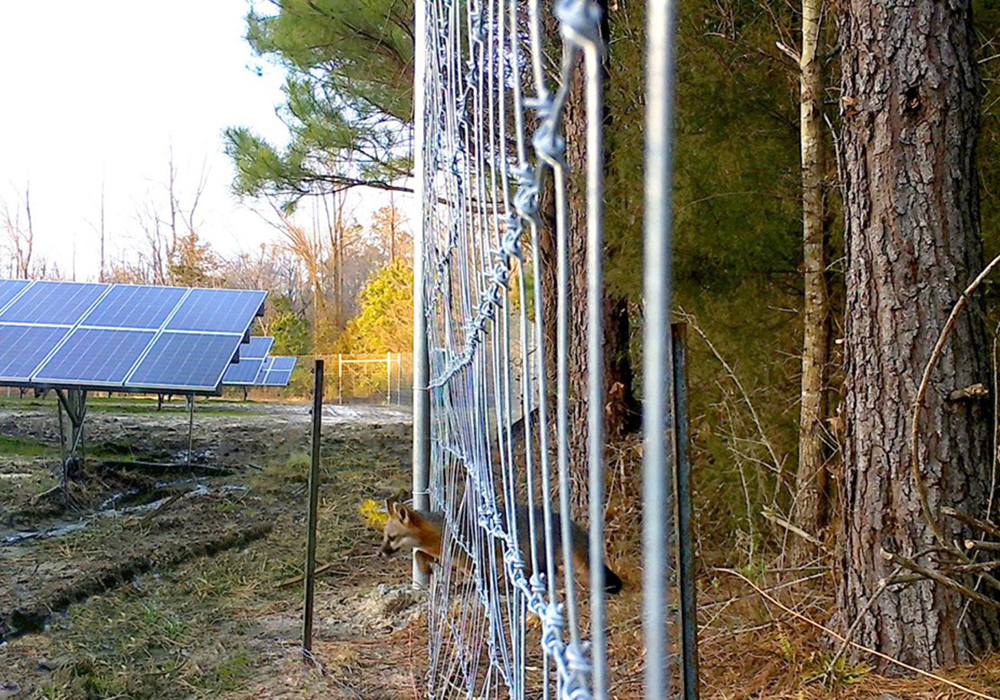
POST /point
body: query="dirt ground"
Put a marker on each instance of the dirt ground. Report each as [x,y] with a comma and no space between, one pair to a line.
[174,583]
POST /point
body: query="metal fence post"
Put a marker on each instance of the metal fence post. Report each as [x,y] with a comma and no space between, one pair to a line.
[421,368]
[661,46]
[310,573]
[685,540]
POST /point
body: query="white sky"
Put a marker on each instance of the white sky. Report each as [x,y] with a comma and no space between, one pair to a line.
[103,90]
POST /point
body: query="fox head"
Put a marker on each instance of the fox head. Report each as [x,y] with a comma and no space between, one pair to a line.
[400,531]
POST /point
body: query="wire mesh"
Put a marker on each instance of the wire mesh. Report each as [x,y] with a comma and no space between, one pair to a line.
[505,615]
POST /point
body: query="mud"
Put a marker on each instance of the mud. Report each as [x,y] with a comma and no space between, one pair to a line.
[130,526]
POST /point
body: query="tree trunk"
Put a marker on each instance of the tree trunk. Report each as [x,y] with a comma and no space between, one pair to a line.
[913,243]
[810,507]
[621,406]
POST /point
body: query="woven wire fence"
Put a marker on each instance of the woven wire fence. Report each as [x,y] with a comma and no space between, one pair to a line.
[507,617]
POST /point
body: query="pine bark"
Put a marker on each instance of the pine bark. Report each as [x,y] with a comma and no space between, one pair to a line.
[621,410]
[911,117]
[810,509]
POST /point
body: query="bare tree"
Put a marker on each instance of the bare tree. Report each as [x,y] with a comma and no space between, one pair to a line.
[810,508]
[20,233]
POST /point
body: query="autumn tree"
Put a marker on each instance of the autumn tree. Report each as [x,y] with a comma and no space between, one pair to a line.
[911,121]
[385,322]
[193,263]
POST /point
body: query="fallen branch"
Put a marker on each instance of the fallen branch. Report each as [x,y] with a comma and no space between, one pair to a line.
[164,466]
[301,577]
[162,507]
[781,522]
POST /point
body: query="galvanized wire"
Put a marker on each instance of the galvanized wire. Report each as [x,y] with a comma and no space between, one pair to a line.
[490,134]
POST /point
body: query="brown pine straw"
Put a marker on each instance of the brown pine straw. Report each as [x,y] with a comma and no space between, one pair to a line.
[927,674]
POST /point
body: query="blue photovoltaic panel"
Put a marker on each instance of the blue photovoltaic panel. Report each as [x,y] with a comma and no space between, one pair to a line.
[128,306]
[22,349]
[277,371]
[95,357]
[217,311]
[277,378]
[243,372]
[190,361]
[9,290]
[53,302]
[257,348]
[285,364]
[70,334]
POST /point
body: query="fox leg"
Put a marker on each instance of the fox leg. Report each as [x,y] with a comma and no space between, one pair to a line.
[424,561]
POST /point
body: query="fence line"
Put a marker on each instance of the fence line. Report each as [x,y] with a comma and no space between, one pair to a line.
[488,135]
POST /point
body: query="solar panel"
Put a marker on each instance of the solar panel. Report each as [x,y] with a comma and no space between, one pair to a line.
[242,373]
[22,348]
[284,364]
[128,306]
[257,348]
[277,372]
[185,361]
[92,357]
[57,303]
[135,337]
[217,311]
[10,289]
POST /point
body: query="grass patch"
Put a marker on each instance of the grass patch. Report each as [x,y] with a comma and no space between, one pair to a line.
[26,447]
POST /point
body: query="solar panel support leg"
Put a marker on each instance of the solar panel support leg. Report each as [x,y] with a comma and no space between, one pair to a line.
[190,402]
[74,402]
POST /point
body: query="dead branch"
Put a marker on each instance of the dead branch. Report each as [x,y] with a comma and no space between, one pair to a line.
[882,585]
[938,577]
[983,545]
[781,522]
[976,391]
[976,568]
[984,525]
[918,401]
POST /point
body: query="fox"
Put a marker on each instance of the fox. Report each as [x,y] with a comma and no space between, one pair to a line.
[421,532]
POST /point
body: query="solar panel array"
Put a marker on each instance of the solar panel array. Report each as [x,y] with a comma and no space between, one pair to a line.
[121,337]
[257,368]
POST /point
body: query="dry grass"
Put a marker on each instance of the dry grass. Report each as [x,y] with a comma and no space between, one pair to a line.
[760,626]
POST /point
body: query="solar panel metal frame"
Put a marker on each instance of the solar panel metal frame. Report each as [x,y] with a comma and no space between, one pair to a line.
[36,379]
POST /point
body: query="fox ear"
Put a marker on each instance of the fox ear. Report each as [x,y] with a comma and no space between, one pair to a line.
[406,515]
[393,509]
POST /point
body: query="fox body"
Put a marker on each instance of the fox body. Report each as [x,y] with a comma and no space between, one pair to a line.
[423,533]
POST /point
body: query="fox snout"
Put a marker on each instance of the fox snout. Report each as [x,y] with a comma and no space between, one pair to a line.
[386,550]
